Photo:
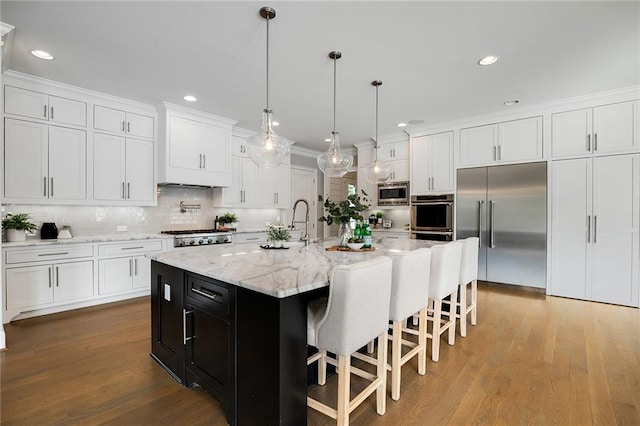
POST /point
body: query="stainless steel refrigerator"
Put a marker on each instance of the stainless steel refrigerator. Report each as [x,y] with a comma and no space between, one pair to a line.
[506,207]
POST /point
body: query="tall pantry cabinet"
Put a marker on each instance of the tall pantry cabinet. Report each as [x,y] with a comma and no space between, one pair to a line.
[595,229]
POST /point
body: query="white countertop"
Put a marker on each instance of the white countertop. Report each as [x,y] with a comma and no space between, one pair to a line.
[279,273]
[85,239]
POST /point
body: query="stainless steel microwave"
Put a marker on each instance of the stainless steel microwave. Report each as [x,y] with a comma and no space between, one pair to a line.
[393,194]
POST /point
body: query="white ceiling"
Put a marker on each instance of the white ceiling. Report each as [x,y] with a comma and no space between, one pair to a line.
[425,53]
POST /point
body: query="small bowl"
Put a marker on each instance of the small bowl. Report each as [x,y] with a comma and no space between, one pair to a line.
[355,246]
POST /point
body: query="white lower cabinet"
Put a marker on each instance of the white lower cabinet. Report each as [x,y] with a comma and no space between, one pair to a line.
[595,229]
[125,273]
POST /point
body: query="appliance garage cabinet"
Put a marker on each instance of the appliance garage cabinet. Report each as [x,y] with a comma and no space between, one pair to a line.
[54,277]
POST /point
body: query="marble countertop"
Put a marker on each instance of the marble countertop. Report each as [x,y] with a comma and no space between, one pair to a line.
[84,239]
[279,273]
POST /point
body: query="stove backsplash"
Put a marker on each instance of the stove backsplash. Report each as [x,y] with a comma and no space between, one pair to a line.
[104,220]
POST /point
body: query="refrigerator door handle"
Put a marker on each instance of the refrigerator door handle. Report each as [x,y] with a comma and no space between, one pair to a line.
[491,216]
[588,228]
[595,229]
[480,205]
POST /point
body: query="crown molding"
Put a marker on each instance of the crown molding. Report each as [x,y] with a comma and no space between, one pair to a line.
[242,132]
[169,107]
[305,152]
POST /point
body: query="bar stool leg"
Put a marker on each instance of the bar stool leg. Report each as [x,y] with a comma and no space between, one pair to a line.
[452,316]
[435,332]
[322,368]
[344,377]
[422,341]
[463,310]
[381,392]
[396,355]
[474,302]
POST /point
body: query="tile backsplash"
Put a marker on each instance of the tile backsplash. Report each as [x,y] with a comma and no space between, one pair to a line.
[104,220]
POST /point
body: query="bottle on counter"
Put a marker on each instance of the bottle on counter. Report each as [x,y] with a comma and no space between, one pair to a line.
[367,236]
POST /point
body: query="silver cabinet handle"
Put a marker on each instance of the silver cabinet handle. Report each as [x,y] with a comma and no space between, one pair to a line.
[588,142]
[595,229]
[128,190]
[499,152]
[123,197]
[184,326]
[252,239]
[135,267]
[132,248]
[595,142]
[204,161]
[433,182]
[480,205]
[588,228]
[123,126]
[54,254]
[45,186]
[51,185]
[57,276]
[205,294]
[495,153]
[491,216]
[130,267]
[51,113]
[50,273]
[128,127]
[45,111]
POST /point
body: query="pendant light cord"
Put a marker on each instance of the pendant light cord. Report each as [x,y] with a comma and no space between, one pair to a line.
[376,150]
[335,61]
[268,19]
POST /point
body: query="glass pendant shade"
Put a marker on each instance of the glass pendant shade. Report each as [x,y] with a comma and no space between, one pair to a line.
[377,172]
[267,148]
[335,162]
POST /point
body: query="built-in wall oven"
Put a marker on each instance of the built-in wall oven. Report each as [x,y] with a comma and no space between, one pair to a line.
[432,217]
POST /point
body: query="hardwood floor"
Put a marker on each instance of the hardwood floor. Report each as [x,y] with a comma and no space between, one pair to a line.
[531,359]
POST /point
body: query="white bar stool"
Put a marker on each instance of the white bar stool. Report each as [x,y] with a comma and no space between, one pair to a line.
[356,312]
[468,275]
[444,280]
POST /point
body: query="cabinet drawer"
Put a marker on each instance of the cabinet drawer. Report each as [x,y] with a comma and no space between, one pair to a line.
[132,247]
[67,251]
[258,237]
[210,295]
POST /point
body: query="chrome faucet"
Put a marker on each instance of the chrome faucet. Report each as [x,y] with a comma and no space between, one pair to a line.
[304,238]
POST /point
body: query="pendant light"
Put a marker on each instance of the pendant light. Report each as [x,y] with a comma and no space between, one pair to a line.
[377,171]
[266,148]
[335,162]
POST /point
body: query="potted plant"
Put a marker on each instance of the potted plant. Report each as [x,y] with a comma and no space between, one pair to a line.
[227,219]
[16,226]
[278,235]
[343,213]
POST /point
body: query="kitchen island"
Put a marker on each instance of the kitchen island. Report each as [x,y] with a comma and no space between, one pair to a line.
[232,319]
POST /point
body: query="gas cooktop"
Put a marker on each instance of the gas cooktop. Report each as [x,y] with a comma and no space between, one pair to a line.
[192,231]
[197,237]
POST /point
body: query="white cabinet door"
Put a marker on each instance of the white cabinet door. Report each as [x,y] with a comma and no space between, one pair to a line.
[520,140]
[283,186]
[615,229]
[26,166]
[73,281]
[26,103]
[108,119]
[67,164]
[615,127]
[115,275]
[420,170]
[139,170]
[441,160]
[239,146]
[141,272]
[571,132]
[478,145]
[185,142]
[233,194]
[274,186]
[216,152]
[109,159]
[139,126]
[67,111]
[399,170]
[571,228]
[393,151]
[250,182]
[29,287]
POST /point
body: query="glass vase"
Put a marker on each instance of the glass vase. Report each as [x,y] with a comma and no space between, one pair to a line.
[344,233]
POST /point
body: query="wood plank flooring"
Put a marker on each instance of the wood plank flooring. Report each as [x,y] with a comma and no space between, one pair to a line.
[531,359]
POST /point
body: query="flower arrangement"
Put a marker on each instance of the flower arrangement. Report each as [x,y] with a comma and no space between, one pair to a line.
[344,211]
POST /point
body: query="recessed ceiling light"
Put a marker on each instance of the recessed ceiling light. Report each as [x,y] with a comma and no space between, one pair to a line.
[401,125]
[415,122]
[42,54]
[327,140]
[190,98]
[488,60]
[275,123]
[512,102]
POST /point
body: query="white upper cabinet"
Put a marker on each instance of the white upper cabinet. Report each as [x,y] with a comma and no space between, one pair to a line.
[604,129]
[28,103]
[393,151]
[122,122]
[195,148]
[509,141]
[274,186]
[44,164]
[432,163]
